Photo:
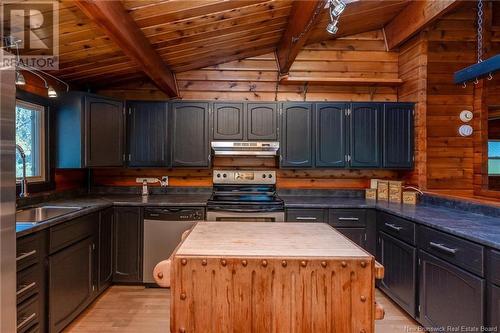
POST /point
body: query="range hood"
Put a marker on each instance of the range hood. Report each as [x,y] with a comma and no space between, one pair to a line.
[245,148]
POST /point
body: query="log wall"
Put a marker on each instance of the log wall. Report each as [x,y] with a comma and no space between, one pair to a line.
[255,79]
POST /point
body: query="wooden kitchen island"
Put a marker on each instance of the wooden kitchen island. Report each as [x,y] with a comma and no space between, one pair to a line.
[271,277]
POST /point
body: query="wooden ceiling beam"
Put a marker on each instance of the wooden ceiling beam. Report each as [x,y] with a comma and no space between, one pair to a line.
[112,17]
[413,18]
[304,15]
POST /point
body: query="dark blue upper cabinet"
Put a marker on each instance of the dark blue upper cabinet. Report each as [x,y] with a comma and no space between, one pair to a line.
[330,135]
[397,135]
[262,121]
[190,144]
[228,121]
[296,135]
[364,128]
[147,134]
[89,131]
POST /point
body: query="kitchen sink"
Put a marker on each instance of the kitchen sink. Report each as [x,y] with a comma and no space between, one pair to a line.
[40,214]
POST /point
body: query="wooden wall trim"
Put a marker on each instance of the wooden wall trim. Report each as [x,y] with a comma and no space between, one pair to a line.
[413,72]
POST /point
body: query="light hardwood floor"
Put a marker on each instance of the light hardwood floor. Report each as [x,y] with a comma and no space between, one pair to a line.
[131,309]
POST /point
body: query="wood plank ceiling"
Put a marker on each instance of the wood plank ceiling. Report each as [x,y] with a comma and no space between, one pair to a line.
[196,33]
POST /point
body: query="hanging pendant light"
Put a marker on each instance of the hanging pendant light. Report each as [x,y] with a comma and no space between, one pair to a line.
[51,92]
[20,80]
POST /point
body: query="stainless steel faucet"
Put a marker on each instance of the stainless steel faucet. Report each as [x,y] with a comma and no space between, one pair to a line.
[24,182]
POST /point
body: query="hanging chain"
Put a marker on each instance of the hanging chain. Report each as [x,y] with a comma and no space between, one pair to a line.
[480,31]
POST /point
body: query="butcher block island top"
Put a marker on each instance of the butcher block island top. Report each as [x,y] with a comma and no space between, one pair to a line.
[252,239]
[271,277]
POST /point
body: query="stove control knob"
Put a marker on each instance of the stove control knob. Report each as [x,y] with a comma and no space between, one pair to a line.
[270,176]
[263,175]
[224,175]
[218,175]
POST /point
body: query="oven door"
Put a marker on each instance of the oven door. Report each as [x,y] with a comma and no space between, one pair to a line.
[246,216]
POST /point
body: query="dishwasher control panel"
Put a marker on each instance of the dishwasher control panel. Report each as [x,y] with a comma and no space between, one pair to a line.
[175,214]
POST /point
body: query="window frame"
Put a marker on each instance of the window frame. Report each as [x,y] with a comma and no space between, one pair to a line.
[493,158]
[49,183]
[42,133]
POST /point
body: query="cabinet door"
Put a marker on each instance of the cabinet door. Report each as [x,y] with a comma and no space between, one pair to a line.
[147,134]
[228,121]
[105,248]
[262,121]
[365,135]
[128,231]
[71,283]
[296,135]
[190,146]
[397,135]
[449,296]
[330,135]
[357,235]
[493,306]
[104,132]
[399,261]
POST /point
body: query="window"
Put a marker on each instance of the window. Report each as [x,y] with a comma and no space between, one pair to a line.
[30,135]
[494,157]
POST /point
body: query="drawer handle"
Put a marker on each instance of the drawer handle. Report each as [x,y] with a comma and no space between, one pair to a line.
[25,288]
[25,320]
[26,255]
[154,214]
[348,219]
[393,227]
[306,218]
[442,248]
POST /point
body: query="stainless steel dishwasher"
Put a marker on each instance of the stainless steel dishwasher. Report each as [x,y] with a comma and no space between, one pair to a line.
[163,228]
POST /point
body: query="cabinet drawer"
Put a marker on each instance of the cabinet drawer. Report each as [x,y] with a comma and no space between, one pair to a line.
[72,231]
[306,215]
[463,253]
[397,227]
[27,314]
[27,283]
[493,266]
[28,251]
[347,217]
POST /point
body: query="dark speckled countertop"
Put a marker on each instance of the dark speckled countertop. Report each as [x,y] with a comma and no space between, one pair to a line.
[95,203]
[482,229]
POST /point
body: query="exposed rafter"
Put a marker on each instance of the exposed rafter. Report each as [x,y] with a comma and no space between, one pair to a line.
[304,15]
[413,18]
[122,29]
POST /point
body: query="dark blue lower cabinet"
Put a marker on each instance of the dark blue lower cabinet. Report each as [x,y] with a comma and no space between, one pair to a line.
[493,306]
[450,298]
[400,262]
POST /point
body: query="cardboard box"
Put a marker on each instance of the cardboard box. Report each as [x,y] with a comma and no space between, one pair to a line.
[410,197]
[373,183]
[383,190]
[395,191]
[371,193]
